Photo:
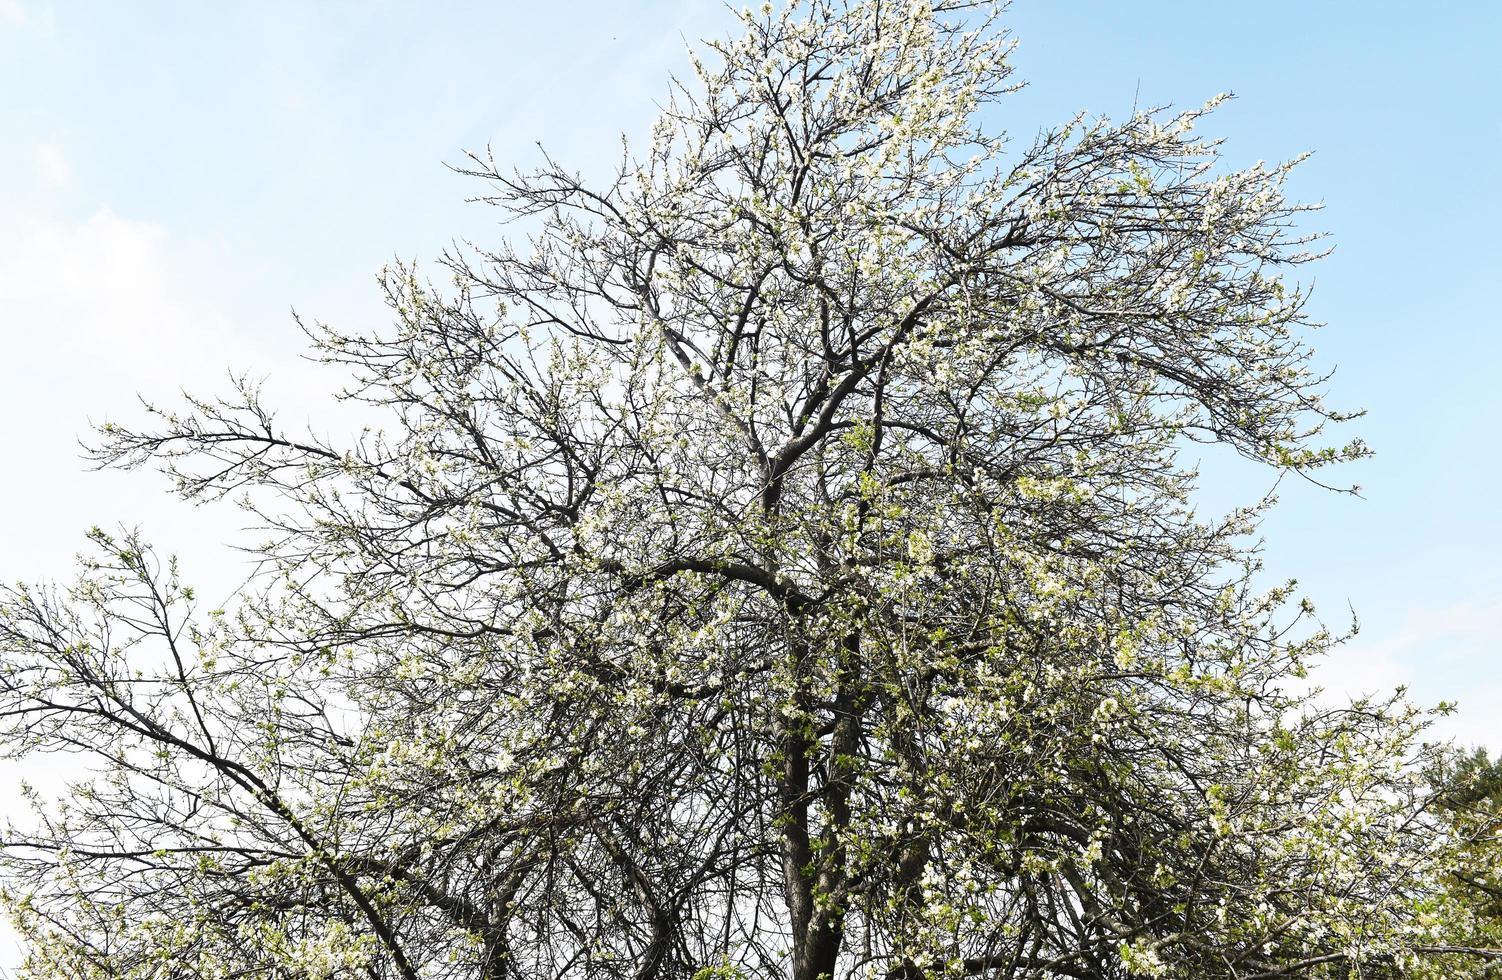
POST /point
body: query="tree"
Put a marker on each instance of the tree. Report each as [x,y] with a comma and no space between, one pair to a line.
[779,562]
[1467,788]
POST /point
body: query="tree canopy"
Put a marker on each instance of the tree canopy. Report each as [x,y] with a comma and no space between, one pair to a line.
[779,560]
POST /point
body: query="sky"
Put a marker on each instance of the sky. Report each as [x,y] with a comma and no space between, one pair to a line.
[175,178]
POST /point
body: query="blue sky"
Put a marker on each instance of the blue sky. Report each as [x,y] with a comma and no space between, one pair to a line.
[175,176]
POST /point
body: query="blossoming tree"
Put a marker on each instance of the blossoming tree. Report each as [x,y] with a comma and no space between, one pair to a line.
[778,562]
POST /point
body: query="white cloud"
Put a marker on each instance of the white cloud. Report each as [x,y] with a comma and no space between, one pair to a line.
[94,312]
[52,166]
[101,293]
[1447,653]
[12,11]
